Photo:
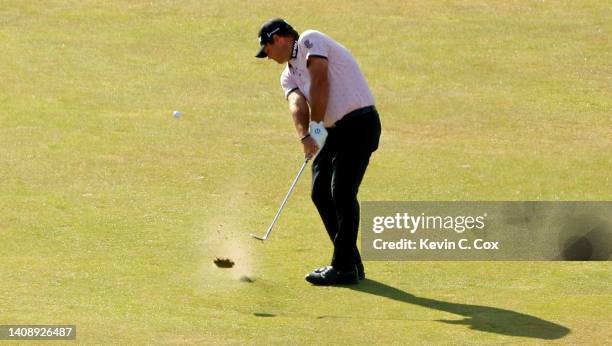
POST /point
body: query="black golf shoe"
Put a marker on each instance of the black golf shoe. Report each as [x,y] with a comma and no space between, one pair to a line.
[330,276]
[360,271]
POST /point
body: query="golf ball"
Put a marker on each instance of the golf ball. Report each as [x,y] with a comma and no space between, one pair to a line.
[177,114]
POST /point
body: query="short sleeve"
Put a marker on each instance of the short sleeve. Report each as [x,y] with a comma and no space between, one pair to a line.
[287,82]
[315,44]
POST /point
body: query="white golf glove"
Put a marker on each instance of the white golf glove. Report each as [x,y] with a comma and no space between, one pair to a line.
[318,133]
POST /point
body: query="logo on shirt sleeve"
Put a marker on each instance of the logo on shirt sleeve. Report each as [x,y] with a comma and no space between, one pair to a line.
[308,44]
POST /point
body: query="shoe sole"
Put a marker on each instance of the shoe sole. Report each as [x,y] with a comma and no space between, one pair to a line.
[334,283]
[337,282]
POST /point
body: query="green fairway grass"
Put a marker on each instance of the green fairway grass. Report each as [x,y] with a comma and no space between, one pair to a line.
[112,210]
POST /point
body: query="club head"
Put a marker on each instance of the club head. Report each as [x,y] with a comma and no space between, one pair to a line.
[258,238]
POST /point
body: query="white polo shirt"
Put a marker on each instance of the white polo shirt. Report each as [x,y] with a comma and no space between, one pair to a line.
[348,88]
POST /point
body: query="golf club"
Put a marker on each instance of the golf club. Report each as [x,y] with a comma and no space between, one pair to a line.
[284,201]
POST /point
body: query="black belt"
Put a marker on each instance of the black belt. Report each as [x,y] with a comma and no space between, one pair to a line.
[357,112]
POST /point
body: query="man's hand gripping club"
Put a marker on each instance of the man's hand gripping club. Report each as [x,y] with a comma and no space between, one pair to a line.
[315,139]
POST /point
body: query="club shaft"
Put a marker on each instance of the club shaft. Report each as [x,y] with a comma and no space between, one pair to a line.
[297,177]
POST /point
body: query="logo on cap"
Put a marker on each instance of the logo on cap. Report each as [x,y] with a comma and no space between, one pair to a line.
[272,32]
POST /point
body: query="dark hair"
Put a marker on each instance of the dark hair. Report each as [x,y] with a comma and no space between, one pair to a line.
[291,33]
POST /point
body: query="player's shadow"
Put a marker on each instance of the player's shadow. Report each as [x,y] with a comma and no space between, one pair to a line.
[478,317]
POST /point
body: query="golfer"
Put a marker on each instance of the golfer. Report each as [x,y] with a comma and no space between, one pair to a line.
[335,118]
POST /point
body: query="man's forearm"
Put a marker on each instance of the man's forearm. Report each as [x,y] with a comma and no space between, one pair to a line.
[300,114]
[319,88]
[319,95]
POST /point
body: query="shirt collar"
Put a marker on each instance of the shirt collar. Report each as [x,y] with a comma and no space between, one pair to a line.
[294,50]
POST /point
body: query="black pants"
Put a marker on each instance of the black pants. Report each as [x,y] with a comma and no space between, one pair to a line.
[337,172]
